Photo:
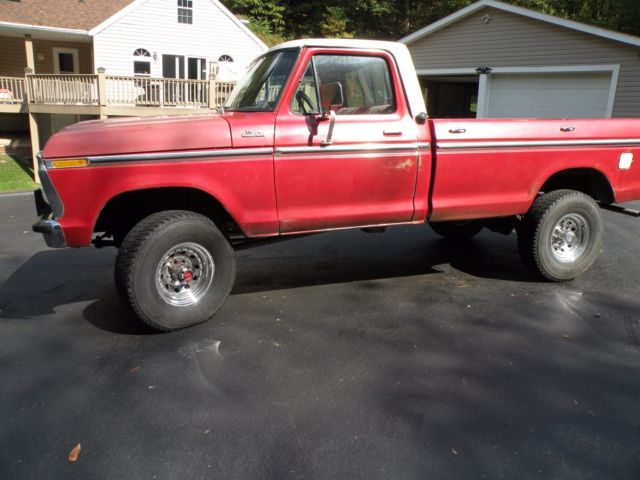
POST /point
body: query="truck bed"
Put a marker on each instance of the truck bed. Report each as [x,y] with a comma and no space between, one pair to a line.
[495,167]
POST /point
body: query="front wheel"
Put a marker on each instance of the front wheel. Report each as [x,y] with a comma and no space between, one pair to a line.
[560,237]
[175,269]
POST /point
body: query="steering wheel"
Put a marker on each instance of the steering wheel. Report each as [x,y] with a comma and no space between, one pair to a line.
[303,98]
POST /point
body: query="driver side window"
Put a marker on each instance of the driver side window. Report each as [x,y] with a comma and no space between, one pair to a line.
[305,98]
[365,81]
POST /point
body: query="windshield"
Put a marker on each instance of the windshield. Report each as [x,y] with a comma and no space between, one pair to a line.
[260,89]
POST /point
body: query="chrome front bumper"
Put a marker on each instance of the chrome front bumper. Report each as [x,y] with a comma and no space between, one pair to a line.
[49,208]
[52,233]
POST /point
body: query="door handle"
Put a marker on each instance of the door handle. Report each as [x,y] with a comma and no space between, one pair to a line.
[567,129]
[458,130]
[392,132]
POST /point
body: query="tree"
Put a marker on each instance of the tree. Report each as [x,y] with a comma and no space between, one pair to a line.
[334,23]
[275,20]
[266,17]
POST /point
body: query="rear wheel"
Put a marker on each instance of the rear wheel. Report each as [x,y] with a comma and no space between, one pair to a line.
[175,269]
[463,230]
[560,237]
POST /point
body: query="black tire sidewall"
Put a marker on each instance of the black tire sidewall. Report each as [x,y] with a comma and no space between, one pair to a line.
[550,266]
[149,302]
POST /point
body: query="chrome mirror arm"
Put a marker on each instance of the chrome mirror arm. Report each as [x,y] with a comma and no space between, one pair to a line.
[332,122]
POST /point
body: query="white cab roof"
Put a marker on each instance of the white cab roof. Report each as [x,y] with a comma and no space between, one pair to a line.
[398,50]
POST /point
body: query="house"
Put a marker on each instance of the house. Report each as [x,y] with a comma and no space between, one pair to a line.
[492,59]
[99,58]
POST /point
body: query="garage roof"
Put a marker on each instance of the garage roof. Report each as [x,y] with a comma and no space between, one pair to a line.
[474,7]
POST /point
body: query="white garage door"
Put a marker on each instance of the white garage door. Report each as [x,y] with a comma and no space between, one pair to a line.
[549,95]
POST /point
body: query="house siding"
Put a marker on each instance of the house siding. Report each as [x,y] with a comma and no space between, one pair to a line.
[153,26]
[510,40]
[13,58]
[44,48]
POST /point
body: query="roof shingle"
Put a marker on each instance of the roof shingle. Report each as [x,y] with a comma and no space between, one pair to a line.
[75,14]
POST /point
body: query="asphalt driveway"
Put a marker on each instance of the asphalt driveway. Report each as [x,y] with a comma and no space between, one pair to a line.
[338,356]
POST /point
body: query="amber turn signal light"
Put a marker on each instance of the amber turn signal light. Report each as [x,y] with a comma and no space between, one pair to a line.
[70,162]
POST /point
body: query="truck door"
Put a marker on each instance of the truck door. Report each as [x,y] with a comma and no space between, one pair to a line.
[362,169]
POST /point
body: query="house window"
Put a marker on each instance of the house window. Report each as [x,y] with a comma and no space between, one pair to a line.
[185,11]
[141,52]
[141,68]
[225,58]
[66,62]
[141,62]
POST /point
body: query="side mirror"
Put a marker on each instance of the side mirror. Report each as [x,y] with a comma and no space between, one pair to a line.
[331,97]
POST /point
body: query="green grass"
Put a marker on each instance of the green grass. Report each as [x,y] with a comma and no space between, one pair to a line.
[15,174]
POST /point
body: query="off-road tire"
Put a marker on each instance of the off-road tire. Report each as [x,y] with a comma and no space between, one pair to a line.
[457,231]
[142,253]
[540,226]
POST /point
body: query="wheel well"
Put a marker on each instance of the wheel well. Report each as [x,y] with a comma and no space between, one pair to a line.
[585,180]
[125,210]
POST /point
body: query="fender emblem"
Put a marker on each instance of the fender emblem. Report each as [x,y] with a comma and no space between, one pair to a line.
[252,133]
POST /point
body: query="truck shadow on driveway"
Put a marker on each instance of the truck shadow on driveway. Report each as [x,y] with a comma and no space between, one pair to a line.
[53,279]
[353,256]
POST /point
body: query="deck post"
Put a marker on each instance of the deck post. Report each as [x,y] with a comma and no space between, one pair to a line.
[28,47]
[33,125]
[35,144]
[102,90]
[27,85]
[212,93]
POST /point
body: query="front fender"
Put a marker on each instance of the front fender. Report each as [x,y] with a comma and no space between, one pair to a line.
[243,185]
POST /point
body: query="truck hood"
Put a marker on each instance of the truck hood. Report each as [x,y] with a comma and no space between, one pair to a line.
[139,135]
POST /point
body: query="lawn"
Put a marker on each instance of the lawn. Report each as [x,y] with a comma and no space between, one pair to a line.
[15,174]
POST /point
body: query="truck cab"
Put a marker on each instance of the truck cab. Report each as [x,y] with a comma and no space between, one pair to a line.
[347,150]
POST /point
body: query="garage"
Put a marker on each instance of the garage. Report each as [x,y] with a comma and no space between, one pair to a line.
[495,60]
[519,92]
[548,95]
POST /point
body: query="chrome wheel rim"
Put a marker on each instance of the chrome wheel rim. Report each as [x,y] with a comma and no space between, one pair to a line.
[569,238]
[184,275]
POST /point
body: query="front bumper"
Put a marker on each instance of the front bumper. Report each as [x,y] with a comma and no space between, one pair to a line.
[48,207]
[51,231]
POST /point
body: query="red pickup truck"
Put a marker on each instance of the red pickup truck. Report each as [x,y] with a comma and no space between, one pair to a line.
[323,135]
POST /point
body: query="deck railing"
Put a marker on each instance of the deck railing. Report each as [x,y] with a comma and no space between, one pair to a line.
[157,92]
[221,91]
[63,89]
[111,90]
[11,90]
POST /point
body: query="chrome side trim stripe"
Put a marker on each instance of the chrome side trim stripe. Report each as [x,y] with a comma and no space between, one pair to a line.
[539,143]
[223,152]
[357,148]
[241,152]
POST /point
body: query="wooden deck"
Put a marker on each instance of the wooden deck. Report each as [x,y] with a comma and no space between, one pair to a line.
[109,95]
